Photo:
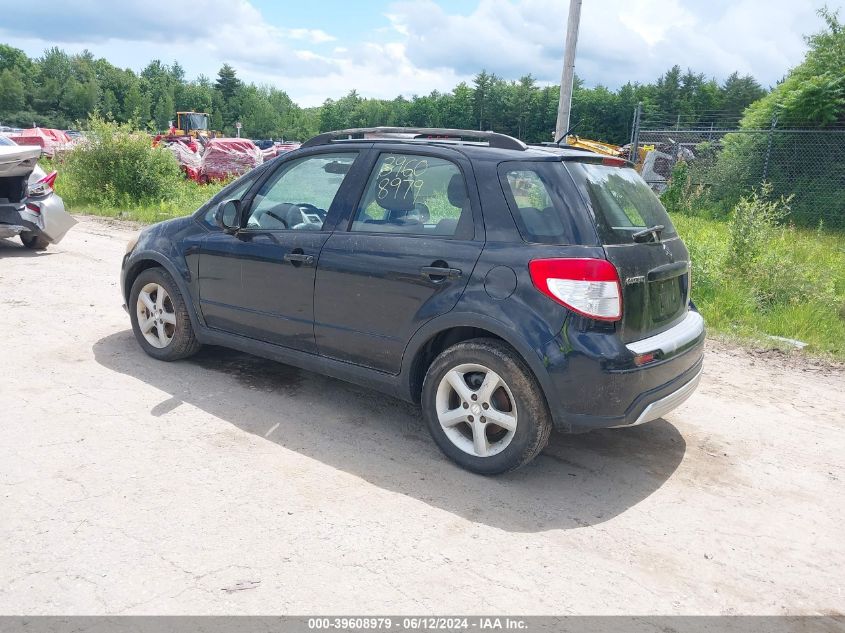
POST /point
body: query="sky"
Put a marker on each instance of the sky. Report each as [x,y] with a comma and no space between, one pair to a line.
[382,48]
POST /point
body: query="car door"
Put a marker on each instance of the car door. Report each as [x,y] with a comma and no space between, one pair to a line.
[259,281]
[402,258]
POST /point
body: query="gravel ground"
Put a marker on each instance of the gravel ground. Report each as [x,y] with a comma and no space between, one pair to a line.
[230,484]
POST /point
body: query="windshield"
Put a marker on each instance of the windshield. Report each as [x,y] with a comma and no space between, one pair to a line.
[195,121]
[622,202]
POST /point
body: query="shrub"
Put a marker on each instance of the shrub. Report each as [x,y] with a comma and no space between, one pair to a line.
[117,165]
[684,194]
[754,221]
[758,241]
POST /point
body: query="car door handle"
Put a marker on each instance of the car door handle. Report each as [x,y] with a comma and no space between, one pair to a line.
[299,259]
[438,273]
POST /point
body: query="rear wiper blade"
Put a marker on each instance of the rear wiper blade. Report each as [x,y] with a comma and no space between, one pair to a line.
[653,232]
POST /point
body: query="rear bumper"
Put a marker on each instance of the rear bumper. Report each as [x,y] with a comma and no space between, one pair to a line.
[667,403]
[597,384]
[51,220]
[646,406]
[16,219]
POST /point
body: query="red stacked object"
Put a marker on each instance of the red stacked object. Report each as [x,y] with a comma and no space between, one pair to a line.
[49,140]
[227,157]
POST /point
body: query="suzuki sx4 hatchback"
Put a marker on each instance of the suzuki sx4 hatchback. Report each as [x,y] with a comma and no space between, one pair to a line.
[508,289]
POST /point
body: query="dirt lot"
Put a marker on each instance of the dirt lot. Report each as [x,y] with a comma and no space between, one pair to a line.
[229,484]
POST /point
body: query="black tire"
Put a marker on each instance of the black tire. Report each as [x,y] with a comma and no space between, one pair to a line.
[534,424]
[34,241]
[184,343]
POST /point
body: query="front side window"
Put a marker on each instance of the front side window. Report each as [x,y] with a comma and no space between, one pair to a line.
[235,191]
[298,196]
[416,195]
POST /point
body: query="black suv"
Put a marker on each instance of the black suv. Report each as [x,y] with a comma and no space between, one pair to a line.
[508,289]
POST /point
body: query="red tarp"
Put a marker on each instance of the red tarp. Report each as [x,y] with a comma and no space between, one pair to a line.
[226,157]
[47,139]
[278,149]
[188,158]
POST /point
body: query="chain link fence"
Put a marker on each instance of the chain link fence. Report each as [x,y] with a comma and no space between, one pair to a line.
[721,165]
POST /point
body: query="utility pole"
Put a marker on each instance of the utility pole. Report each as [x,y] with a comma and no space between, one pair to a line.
[568,76]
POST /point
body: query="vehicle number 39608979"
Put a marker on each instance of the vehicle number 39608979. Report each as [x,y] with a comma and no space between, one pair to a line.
[401,177]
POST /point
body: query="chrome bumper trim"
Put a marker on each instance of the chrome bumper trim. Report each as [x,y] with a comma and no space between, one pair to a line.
[672,339]
[659,408]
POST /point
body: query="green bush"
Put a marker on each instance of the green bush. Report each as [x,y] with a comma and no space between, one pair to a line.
[684,194]
[758,240]
[116,165]
[794,286]
[754,221]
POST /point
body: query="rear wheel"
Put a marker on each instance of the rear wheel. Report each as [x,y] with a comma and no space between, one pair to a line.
[35,242]
[484,407]
[160,318]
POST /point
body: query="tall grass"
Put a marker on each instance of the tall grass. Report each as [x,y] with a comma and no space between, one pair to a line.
[792,286]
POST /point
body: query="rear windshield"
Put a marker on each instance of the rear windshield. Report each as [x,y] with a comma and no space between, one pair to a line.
[621,201]
[545,202]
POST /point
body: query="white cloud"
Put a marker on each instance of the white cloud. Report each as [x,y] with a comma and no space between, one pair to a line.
[620,40]
[317,36]
[416,47]
[225,30]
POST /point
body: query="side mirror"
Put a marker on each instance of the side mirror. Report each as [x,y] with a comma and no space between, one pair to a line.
[228,215]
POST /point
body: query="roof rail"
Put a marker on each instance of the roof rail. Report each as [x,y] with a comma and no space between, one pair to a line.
[501,141]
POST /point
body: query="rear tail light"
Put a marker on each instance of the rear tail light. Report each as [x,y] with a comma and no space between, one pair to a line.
[43,186]
[33,207]
[50,178]
[589,287]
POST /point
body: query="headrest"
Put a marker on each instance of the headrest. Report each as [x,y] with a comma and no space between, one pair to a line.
[457,191]
[396,198]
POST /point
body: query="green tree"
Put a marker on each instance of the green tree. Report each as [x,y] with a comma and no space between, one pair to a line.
[227,82]
[228,86]
[259,118]
[737,94]
[813,93]
[12,94]
[136,106]
[14,59]
[79,99]
[164,110]
[667,94]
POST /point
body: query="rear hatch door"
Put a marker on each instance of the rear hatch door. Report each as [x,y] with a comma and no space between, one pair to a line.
[653,266]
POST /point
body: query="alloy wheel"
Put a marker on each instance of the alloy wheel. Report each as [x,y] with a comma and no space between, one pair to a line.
[476,409]
[156,315]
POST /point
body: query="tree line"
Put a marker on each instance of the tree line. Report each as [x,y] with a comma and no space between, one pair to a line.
[60,90]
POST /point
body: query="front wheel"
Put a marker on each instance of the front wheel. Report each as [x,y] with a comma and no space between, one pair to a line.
[484,407]
[160,318]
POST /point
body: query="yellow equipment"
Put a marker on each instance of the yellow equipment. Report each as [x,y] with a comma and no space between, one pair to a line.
[594,146]
[193,124]
[608,149]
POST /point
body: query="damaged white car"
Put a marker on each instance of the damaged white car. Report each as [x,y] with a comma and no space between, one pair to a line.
[29,207]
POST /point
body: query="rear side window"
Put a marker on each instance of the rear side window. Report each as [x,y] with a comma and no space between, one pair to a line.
[537,195]
[415,195]
[621,201]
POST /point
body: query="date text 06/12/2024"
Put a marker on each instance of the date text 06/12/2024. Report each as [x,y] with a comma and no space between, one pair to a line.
[417,624]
